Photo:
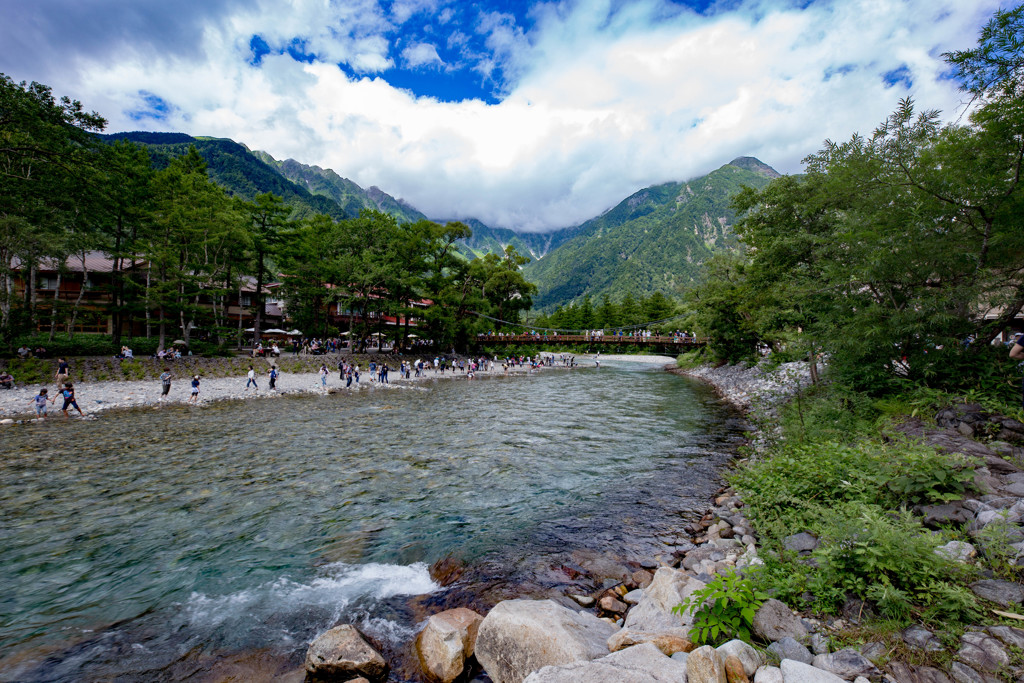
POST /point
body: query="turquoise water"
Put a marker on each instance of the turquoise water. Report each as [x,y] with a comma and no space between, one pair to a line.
[160,542]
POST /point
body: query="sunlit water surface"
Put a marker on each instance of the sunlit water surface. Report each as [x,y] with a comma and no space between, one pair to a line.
[164,543]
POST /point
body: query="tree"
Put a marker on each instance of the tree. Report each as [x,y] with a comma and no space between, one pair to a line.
[268,217]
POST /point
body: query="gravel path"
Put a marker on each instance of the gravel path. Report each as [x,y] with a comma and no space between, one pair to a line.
[94,397]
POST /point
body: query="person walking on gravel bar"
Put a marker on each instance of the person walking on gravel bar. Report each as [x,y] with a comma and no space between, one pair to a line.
[273,378]
[69,399]
[63,371]
[165,383]
[251,381]
[194,398]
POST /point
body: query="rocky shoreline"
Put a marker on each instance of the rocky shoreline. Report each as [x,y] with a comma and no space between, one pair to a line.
[628,631]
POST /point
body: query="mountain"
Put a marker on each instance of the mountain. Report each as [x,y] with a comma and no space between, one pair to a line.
[233,167]
[486,239]
[655,239]
[348,195]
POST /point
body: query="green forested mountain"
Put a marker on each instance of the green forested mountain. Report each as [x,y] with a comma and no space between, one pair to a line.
[654,240]
[348,195]
[235,168]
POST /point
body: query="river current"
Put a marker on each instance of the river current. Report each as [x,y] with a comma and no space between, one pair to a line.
[216,542]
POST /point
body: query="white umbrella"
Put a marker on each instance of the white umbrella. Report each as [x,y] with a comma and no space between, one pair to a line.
[412,336]
[376,334]
[344,334]
[274,331]
[294,333]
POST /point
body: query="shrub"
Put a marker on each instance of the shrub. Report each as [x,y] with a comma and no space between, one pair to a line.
[723,609]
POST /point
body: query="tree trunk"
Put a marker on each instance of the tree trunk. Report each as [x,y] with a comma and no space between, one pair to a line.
[78,301]
[32,320]
[53,311]
[258,300]
[149,323]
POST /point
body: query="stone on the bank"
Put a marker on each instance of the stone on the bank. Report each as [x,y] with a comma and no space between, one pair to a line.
[904,673]
[957,551]
[446,642]
[1001,592]
[1009,635]
[669,642]
[768,674]
[654,611]
[609,603]
[982,651]
[748,656]
[789,648]
[640,664]
[642,578]
[518,637]
[846,664]
[774,620]
[343,653]
[734,671]
[583,600]
[802,542]
[962,673]
[633,597]
[919,637]
[798,672]
[705,665]
[945,514]
[819,644]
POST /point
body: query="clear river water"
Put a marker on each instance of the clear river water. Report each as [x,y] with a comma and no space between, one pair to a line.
[214,543]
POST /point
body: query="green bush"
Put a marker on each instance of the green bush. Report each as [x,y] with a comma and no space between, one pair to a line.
[692,359]
[723,609]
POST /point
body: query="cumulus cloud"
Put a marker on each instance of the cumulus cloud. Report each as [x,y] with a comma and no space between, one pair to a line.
[598,99]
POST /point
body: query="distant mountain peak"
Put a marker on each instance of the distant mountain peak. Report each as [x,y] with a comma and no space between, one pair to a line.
[756,165]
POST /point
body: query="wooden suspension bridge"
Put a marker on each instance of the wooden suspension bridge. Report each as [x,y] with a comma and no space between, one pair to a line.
[671,343]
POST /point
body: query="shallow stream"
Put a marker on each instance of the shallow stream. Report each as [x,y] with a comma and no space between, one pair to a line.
[205,543]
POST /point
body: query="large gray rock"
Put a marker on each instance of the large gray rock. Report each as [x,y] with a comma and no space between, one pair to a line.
[919,637]
[982,652]
[705,665]
[789,648]
[769,674]
[1001,592]
[343,653]
[1009,635]
[802,542]
[640,664]
[519,637]
[749,657]
[846,664]
[774,621]
[905,673]
[654,611]
[935,516]
[957,551]
[798,672]
[446,642]
[962,673]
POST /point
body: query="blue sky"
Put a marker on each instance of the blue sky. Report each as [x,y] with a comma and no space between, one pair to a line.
[529,115]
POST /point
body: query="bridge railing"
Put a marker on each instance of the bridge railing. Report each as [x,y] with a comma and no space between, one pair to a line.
[662,340]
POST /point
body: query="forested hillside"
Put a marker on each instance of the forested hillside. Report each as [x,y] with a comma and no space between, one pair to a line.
[655,240]
[233,167]
[347,194]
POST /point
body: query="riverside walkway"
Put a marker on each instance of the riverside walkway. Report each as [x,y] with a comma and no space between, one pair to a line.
[676,343]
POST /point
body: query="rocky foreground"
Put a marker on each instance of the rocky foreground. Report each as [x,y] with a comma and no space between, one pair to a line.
[628,632]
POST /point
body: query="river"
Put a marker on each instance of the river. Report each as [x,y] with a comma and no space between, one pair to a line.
[205,543]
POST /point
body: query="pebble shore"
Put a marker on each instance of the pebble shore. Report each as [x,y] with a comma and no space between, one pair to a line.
[98,396]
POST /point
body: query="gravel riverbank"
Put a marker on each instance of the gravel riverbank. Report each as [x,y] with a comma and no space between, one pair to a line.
[224,379]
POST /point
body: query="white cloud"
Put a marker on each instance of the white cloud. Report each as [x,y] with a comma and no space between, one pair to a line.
[598,103]
[421,54]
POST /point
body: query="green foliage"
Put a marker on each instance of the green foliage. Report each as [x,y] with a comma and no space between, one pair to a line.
[692,359]
[133,370]
[724,609]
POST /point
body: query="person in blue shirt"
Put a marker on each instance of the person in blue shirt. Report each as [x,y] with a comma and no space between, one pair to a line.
[68,392]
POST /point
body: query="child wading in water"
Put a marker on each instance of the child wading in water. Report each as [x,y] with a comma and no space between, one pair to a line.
[69,399]
[40,402]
